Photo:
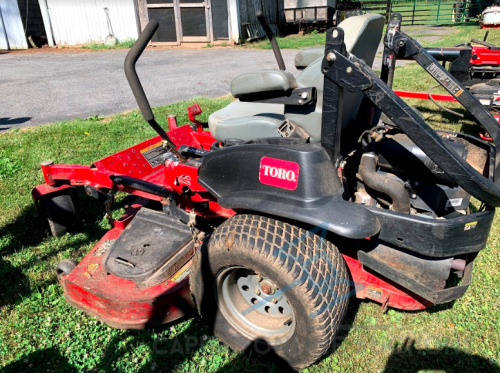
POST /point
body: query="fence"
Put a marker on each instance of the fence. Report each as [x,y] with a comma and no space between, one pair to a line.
[428,12]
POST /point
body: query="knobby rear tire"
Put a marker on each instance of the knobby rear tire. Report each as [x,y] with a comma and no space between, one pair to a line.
[307,268]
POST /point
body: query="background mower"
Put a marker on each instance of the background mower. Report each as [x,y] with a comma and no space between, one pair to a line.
[298,198]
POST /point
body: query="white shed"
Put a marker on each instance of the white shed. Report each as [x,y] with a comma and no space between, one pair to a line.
[11,27]
[70,22]
[84,21]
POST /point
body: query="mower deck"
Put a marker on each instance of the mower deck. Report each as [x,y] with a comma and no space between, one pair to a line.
[119,302]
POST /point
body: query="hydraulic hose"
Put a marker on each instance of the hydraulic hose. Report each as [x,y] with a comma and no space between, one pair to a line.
[392,188]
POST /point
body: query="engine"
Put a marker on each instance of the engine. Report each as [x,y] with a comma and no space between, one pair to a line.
[394,173]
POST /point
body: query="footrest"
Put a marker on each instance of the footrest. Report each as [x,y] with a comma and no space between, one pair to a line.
[425,277]
[151,249]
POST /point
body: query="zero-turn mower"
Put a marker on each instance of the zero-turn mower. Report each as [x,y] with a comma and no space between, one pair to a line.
[297,198]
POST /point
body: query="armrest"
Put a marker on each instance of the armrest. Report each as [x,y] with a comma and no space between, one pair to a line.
[262,81]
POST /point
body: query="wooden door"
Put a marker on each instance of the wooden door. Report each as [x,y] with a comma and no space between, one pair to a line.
[165,12]
[181,21]
[194,20]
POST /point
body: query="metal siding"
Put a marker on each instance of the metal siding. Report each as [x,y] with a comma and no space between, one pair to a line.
[12,27]
[308,3]
[270,8]
[3,35]
[84,21]
[249,25]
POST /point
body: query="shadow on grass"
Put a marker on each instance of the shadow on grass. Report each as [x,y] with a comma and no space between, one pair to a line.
[169,353]
[45,360]
[468,124]
[29,231]
[405,357]
[24,232]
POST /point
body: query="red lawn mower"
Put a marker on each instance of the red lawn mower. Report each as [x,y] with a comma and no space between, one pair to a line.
[298,198]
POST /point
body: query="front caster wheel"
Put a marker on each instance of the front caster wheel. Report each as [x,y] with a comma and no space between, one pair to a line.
[61,213]
[65,267]
[269,285]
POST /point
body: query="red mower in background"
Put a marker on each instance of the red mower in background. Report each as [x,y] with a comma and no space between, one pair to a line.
[298,198]
[476,65]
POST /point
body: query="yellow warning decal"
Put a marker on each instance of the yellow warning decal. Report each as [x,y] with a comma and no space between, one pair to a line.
[154,154]
[181,273]
[469,226]
[151,147]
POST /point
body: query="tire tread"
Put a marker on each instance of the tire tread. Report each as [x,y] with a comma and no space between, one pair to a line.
[280,243]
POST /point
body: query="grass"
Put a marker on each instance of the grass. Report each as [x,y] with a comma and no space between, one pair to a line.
[40,332]
[292,41]
[126,44]
[463,34]
[459,33]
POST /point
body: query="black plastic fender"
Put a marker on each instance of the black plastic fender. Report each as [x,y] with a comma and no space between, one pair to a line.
[294,181]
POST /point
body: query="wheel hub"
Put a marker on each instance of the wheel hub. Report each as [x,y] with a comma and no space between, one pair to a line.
[268,287]
[255,305]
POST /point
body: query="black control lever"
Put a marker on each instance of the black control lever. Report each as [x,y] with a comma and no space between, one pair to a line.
[389,57]
[484,43]
[272,39]
[136,86]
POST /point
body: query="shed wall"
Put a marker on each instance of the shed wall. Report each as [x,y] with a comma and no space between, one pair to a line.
[84,21]
[11,27]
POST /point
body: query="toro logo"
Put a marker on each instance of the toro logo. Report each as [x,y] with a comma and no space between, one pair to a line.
[279,173]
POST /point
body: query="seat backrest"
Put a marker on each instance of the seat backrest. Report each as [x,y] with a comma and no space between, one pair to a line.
[362,35]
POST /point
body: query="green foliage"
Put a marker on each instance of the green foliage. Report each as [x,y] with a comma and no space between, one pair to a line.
[8,167]
[95,118]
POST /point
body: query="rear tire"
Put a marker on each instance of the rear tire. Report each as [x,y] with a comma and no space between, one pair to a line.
[61,213]
[267,284]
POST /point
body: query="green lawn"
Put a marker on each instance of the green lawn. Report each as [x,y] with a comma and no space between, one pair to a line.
[292,41]
[459,33]
[40,332]
[120,45]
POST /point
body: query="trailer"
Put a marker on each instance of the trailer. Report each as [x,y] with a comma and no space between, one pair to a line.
[311,11]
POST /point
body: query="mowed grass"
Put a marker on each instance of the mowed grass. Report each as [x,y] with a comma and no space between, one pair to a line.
[460,33]
[125,44]
[292,41]
[40,332]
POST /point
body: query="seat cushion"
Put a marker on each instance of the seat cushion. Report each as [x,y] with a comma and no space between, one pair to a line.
[247,128]
[361,37]
[307,56]
[244,121]
[262,81]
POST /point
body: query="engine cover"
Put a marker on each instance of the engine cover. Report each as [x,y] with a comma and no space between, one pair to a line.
[294,181]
